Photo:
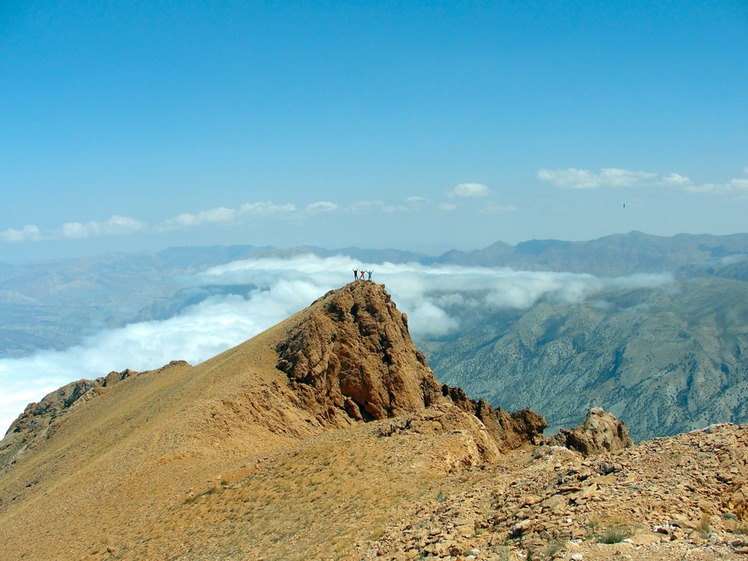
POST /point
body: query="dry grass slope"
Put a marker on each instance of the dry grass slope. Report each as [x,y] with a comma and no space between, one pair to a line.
[223,461]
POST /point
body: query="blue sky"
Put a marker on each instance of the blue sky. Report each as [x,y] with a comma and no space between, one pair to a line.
[419,125]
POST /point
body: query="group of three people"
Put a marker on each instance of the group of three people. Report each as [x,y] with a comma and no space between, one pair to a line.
[356,274]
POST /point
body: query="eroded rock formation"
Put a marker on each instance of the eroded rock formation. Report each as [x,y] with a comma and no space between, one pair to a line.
[599,432]
[354,354]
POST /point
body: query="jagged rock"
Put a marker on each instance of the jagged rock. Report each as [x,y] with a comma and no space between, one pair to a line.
[354,350]
[353,354]
[510,430]
[599,432]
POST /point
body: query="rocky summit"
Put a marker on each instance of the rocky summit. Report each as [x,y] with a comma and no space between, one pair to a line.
[328,437]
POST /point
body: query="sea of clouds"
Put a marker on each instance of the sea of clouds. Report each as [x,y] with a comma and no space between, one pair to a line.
[277,288]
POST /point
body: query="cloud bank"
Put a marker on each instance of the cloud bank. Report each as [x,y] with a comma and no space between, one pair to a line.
[30,232]
[224,216]
[572,178]
[115,226]
[436,299]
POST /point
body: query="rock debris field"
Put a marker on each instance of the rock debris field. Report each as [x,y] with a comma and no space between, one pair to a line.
[679,497]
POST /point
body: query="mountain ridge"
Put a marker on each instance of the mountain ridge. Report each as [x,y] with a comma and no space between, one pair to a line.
[667,360]
[90,448]
[237,458]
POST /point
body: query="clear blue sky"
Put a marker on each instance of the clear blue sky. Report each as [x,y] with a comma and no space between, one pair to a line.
[421,125]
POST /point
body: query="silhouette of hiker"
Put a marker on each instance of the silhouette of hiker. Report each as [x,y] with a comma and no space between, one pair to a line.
[355,274]
[369,273]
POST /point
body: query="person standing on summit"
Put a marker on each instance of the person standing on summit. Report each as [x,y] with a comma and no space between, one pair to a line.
[355,274]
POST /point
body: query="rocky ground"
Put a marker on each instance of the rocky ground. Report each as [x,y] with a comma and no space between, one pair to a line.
[672,498]
[262,453]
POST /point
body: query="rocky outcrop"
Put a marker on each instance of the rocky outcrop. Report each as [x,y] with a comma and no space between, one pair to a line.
[511,430]
[681,497]
[599,432]
[353,354]
[38,416]
[475,444]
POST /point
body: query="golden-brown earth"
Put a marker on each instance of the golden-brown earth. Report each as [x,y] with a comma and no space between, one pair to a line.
[246,456]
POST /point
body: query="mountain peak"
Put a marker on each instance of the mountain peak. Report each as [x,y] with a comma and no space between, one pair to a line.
[352,358]
[353,353]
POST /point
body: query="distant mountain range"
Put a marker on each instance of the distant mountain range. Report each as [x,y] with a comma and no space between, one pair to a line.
[665,359]
[617,255]
[53,304]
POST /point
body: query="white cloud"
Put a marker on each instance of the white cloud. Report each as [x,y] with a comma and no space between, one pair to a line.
[220,215]
[223,216]
[676,179]
[367,206]
[266,207]
[418,201]
[115,226]
[734,187]
[434,297]
[321,206]
[465,190]
[30,232]
[573,178]
[428,320]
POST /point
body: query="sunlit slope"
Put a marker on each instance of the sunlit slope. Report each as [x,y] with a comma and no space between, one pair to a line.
[136,468]
[130,454]
[664,360]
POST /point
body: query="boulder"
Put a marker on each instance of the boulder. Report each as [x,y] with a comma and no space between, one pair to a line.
[599,432]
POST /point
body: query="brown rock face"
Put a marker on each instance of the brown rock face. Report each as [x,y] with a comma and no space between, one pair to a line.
[599,432]
[510,430]
[354,354]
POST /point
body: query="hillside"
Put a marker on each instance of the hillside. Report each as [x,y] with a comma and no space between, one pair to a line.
[667,360]
[121,463]
[328,437]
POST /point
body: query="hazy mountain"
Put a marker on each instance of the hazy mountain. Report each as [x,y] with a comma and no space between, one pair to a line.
[615,255]
[666,360]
